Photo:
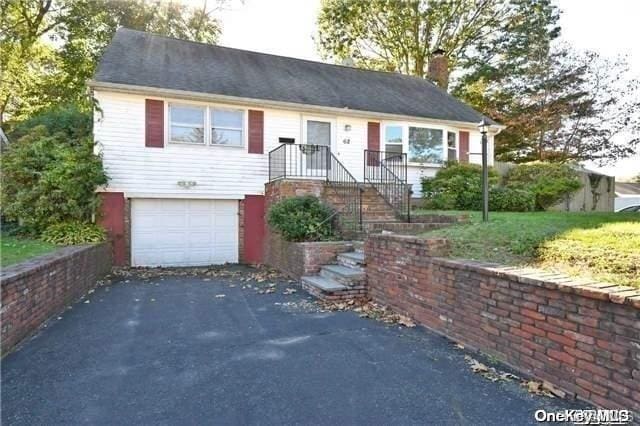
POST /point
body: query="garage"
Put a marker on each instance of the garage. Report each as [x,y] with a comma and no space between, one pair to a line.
[176,232]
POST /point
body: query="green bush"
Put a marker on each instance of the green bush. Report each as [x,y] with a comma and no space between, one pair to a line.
[301,219]
[47,179]
[503,199]
[549,182]
[456,186]
[68,233]
[70,122]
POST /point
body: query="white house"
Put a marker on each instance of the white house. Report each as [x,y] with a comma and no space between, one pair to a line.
[185,130]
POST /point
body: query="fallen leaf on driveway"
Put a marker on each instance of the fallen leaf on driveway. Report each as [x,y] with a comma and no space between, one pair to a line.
[289,291]
[220,296]
[487,372]
[406,321]
[476,366]
[533,386]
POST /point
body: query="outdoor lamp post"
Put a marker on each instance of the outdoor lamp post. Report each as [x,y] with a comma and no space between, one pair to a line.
[484,127]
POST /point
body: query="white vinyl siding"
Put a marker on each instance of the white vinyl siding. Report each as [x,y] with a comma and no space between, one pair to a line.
[221,172]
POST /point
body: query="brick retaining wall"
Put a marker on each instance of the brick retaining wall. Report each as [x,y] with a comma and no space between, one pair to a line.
[37,289]
[580,336]
[298,259]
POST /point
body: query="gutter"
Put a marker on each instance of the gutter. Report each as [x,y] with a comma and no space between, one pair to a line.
[261,103]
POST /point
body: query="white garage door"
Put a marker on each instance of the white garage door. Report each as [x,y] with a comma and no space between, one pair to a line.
[183,232]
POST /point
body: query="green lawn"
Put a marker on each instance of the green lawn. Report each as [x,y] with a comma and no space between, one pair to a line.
[601,246]
[16,250]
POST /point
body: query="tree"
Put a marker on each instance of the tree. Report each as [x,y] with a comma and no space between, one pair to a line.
[557,104]
[49,48]
[402,35]
[89,26]
[27,65]
[567,106]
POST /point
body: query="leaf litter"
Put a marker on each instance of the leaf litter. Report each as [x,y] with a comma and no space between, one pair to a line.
[493,374]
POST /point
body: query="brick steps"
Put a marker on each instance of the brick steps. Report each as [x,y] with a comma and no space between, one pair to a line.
[344,280]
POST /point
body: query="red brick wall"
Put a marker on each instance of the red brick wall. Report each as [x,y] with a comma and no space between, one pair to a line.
[581,337]
[298,259]
[35,290]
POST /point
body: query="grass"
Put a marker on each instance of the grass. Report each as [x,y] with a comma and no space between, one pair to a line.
[600,246]
[15,250]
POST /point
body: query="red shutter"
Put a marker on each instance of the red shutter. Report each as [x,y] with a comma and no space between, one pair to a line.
[256,132]
[154,123]
[463,147]
[373,143]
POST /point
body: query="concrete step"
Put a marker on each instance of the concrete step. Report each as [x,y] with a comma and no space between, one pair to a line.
[351,259]
[348,276]
[358,246]
[323,283]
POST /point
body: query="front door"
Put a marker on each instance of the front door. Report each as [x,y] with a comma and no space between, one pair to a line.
[319,134]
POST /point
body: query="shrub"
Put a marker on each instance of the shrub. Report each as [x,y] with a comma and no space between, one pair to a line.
[549,182]
[301,219]
[68,233]
[503,199]
[47,180]
[456,186]
[70,122]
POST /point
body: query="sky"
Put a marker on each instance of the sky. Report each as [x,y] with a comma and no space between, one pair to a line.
[287,27]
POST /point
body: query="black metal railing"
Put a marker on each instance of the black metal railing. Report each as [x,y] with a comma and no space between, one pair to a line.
[301,161]
[387,173]
[349,192]
[317,161]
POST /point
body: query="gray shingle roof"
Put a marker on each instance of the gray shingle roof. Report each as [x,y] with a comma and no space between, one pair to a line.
[143,59]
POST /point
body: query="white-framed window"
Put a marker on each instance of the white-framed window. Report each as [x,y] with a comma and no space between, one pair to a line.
[392,140]
[452,150]
[426,145]
[186,124]
[227,126]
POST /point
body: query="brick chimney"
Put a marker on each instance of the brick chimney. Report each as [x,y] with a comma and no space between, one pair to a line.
[439,68]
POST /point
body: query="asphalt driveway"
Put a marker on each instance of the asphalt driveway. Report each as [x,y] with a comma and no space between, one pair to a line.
[216,350]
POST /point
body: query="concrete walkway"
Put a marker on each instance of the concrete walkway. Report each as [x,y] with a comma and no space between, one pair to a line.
[194,350]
